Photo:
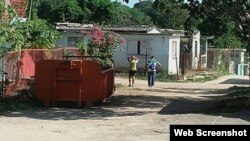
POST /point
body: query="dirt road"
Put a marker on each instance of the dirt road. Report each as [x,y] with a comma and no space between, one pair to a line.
[131,114]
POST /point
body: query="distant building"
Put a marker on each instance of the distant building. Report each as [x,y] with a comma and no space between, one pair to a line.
[143,42]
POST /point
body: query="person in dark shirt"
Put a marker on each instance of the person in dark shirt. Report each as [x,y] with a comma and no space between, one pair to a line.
[152,64]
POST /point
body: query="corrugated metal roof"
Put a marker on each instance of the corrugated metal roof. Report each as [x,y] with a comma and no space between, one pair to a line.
[135,29]
[129,29]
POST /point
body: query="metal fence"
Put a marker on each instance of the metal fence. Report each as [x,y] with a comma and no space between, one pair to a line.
[30,57]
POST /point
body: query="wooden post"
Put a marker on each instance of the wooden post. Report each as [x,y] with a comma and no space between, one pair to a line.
[146,60]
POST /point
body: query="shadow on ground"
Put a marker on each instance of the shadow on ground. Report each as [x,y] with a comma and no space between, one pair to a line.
[216,106]
[130,105]
[116,106]
[236,81]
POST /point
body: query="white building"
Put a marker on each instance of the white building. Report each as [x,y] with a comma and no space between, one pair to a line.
[143,42]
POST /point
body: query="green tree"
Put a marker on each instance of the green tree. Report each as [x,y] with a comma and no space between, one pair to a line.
[32,9]
[139,18]
[103,12]
[145,7]
[20,34]
[60,11]
[170,14]
[229,40]
[218,13]
[81,11]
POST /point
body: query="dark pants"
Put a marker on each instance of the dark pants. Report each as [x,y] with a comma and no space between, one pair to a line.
[132,73]
[151,78]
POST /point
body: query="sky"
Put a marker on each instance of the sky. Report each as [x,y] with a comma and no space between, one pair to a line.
[130,4]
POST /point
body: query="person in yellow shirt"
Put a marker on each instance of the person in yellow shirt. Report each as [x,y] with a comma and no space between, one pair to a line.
[132,69]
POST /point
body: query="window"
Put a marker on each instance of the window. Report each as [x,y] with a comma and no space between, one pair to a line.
[137,47]
[73,41]
[174,49]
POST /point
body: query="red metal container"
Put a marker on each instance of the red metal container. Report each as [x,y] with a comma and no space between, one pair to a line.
[82,81]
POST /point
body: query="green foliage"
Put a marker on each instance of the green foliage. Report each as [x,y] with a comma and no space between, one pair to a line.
[2,7]
[146,7]
[102,12]
[83,47]
[41,35]
[33,34]
[221,67]
[229,40]
[31,11]
[215,16]
[139,18]
[60,10]
[170,14]
[27,34]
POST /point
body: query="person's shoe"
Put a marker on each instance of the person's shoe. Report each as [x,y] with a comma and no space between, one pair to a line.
[129,85]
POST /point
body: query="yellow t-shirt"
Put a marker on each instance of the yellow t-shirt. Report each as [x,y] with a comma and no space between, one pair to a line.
[133,65]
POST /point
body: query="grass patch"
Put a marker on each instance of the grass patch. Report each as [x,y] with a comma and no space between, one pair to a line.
[204,76]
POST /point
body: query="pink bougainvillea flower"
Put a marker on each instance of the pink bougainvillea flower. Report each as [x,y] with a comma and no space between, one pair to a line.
[122,41]
[105,41]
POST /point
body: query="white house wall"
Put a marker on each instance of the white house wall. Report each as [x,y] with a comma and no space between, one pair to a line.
[158,47]
[195,57]
[160,50]
[122,54]
[174,56]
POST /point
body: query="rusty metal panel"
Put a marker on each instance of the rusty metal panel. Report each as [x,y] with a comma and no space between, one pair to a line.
[44,81]
[91,81]
[80,81]
[67,81]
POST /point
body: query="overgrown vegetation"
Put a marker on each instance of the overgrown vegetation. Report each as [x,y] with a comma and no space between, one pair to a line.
[229,40]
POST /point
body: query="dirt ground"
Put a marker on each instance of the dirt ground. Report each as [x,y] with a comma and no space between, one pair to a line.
[132,114]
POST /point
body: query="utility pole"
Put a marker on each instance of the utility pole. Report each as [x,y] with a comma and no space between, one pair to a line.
[146,60]
[30,10]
